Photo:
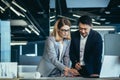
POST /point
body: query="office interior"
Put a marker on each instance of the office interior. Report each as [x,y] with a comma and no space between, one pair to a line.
[25,25]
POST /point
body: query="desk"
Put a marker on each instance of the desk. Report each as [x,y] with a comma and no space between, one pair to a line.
[72,78]
[8,79]
[66,78]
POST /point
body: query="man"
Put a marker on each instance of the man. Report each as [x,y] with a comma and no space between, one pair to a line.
[86,49]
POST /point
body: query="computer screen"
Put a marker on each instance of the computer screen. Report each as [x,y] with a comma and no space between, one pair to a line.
[112,44]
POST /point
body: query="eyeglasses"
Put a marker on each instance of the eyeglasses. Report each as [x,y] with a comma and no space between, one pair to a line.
[65,30]
[81,29]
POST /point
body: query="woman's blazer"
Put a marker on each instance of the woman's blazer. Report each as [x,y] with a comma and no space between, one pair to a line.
[49,60]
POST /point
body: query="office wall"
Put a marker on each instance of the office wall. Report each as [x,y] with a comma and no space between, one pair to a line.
[5,49]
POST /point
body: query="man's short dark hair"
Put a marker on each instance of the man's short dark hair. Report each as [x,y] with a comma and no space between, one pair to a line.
[85,20]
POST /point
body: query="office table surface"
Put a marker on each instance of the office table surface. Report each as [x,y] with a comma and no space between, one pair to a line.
[64,78]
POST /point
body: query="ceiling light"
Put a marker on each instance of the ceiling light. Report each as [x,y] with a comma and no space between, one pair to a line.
[30,54]
[97,28]
[16,12]
[8,5]
[32,28]
[107,12]
[107,22]
[74,29]
[18,43]
[52,17]
[18,6]
[93,19]
[118,33]
[52,20]
[119,6]
[96,23]
[104,29]
[75,15]
[2,8]
[11,8]
[22,15]
[73,26]
[36,32]
[102,19]
[27,30]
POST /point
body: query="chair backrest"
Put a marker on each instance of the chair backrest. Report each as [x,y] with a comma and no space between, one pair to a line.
[29,60]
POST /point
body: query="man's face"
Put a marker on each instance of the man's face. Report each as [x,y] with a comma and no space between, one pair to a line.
[84,29]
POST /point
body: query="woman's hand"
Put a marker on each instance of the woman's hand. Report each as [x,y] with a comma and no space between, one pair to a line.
[70,72]
[66,71]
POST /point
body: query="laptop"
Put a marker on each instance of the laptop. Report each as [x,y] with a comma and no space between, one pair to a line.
[110,67]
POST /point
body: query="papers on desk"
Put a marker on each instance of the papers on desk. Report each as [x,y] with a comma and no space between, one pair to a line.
[8,70]
[30,75]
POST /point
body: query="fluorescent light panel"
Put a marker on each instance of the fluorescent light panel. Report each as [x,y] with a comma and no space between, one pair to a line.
[52,17]
[104,29]
[19,6]
[36,32]
[102,19]
[75,15]
[16,12]
[2,8]
[18,43]
[27,30]
[52,20]
[97,28]
[96,23]
[107,12]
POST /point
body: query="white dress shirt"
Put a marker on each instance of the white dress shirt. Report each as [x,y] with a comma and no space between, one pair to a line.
[82,49]
[61,50]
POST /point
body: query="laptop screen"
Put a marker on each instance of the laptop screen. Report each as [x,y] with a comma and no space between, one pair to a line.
[110,67]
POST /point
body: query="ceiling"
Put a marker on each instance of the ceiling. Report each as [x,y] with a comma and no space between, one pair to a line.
[36,13]
[29,22]
[103,12]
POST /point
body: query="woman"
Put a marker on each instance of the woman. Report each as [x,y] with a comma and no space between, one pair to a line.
[55,61]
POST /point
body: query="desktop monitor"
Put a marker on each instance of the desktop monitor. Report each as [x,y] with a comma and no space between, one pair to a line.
[112,44]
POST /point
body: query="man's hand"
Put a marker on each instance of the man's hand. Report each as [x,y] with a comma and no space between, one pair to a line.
[74,72]
[78,66]
[70,72]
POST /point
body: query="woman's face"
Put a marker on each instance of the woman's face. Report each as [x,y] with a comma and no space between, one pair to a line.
[64,31]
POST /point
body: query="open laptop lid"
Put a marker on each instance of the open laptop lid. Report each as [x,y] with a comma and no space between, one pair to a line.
[110,67]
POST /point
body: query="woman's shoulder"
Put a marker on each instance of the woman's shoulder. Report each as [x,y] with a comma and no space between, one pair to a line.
[50,38]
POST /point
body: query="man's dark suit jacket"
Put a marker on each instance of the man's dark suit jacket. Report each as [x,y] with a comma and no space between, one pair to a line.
[92,52]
